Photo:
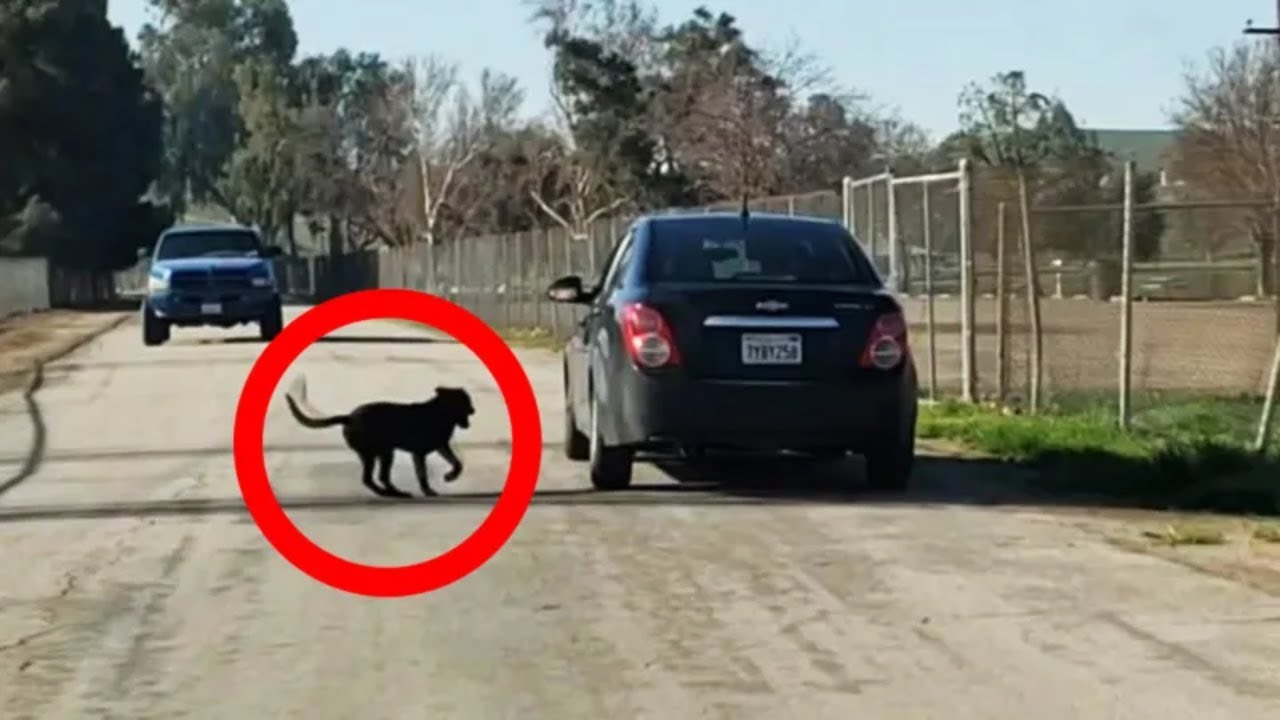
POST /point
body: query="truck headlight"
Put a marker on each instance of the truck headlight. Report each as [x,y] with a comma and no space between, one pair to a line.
[157,283]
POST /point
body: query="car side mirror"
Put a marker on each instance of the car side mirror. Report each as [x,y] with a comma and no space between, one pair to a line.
[567,290]
[272,251]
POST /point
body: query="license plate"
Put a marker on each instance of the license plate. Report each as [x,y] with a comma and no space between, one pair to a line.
[771,349]
[210,308]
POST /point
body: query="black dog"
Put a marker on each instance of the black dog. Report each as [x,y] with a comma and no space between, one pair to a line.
[376,430]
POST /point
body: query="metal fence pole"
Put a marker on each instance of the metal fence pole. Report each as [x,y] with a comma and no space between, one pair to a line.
[455,287]
[1002,305]
[1263,442]
[968,373]
[433,282]
[504,276]
[895,261]
[570,266]
[871,222]
[1126,301]
[928,297]
[846,206]
[551,274]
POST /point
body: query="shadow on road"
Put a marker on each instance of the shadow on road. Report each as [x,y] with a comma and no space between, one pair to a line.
[940,482]
[226,450]
[117,305]
[30,462]
[337,339]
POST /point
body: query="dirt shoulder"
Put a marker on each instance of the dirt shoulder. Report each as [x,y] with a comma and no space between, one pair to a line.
[1244,550]
[34,338]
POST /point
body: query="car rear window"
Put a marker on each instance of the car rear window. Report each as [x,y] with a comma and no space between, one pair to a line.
[207,243]
[721,252]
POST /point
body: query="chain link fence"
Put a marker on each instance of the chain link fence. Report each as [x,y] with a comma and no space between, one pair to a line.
[1201,333]
[503,278]
[952,245]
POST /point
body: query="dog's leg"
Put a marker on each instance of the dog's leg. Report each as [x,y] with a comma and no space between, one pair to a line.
[366,462]
[455,470]
[384,475]
[420,467]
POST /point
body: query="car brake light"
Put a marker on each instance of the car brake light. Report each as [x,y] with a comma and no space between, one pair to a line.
[648,337]
[887,345]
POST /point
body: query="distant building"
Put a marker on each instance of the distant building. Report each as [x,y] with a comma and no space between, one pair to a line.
[1148,149]
[1188,235]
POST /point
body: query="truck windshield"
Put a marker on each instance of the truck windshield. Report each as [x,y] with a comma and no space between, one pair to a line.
[790,253]
[208,243]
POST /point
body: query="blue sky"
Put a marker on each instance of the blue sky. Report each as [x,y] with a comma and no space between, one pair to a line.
[1117,63]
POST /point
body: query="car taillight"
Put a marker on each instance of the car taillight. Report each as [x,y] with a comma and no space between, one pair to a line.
[887,345]
[648,337]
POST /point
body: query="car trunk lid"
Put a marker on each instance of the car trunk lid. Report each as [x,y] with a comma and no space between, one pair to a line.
[764,332]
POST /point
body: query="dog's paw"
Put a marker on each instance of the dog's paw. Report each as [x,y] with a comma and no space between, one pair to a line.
[453,475]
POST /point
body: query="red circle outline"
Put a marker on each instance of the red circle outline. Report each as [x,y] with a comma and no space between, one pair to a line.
[372,580]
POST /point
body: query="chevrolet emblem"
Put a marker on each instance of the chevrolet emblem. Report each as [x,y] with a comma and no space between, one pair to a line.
[771,305]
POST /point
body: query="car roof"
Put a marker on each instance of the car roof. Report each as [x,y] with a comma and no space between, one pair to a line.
[768,219]
[205,227]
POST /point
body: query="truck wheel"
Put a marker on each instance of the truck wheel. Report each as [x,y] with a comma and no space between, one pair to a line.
[154,330]
[610,466]
[272,323]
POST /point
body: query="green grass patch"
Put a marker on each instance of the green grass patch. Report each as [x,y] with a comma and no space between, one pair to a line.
[535,338]
[1188,534]
[1191,455]
[1268,533]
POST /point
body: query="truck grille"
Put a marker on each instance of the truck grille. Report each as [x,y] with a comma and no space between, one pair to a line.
[210,280]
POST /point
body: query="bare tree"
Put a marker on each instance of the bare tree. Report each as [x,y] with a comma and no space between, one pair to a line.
[570,185]
[727,118]
[1010,127]
[570,182]
[452,127]
[379,211]
[1229,144]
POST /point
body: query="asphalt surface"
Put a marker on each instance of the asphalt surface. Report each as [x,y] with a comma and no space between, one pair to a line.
[133,584]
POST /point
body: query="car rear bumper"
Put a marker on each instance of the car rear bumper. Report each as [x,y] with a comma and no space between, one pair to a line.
[193,308]
[659,412]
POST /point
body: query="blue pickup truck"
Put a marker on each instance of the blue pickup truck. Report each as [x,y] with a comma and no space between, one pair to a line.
[211,275]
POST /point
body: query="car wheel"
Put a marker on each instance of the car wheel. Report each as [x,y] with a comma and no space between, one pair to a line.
[271,324]
[889,464]
[610,466]
[577,446]
[154,330]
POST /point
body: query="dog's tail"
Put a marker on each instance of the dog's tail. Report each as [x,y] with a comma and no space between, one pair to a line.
[307,421]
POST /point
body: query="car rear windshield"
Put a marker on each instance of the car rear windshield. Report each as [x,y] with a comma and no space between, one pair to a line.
[208,243]
[720,252]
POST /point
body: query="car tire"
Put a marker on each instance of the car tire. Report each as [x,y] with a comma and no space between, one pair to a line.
[577,446]
[272,323]
[610,466]
[154,330]
[889,464]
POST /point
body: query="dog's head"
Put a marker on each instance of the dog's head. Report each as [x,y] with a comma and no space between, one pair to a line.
[457,404]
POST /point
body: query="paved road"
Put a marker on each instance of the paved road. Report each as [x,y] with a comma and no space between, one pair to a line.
[132,585]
